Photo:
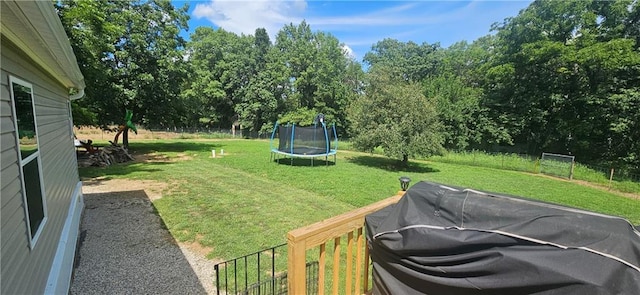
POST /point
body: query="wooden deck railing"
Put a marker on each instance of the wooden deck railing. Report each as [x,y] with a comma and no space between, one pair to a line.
[351,225]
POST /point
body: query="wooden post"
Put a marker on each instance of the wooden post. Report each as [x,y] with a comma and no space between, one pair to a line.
[321,268]
[349,272]
[296,274]
[610,178]
[573,164]
[336,266]
[359,250]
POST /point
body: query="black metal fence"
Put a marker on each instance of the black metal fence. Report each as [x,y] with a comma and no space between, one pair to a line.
[260,273]
[278,285]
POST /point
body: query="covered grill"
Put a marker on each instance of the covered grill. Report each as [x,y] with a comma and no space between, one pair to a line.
[447,240]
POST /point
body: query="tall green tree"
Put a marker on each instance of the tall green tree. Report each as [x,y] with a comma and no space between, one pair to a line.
[130,53]
[458,110]
[456,86]
[396,116]
[263,100]
[409,60]
[221,67]
[560,66]
[316,68]
[451,77]
[624,127]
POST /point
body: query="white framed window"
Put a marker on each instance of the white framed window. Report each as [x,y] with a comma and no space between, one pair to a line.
[26,129]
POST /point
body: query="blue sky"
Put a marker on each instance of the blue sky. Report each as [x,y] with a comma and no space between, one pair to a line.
[358,24]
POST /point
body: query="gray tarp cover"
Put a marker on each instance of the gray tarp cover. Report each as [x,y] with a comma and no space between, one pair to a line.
[445,240]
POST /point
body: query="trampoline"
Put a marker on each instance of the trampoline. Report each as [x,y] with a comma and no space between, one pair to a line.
[318,140]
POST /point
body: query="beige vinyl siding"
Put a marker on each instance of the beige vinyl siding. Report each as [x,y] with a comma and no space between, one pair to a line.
[13,223]
[12,211]
[25,270]
[5,109]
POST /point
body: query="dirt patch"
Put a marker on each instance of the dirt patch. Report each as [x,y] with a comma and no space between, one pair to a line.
[604,188]
[160,158]
[198,248]
[153,189]
[591,185]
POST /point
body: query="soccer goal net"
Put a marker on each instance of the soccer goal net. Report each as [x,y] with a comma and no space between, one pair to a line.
[557,165]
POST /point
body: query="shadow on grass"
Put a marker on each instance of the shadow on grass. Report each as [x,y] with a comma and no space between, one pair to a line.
[305,162]
[175,147]
[391,164]
[141,149]
[118,169]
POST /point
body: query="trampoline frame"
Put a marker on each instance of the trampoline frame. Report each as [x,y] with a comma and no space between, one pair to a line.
[328,151]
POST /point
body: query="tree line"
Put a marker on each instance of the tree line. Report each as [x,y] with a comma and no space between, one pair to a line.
[561,76]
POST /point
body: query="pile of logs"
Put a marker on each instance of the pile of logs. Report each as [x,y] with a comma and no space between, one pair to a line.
[106,156]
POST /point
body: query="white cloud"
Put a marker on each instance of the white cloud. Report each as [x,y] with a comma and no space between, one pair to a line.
[246,16]
[347,51]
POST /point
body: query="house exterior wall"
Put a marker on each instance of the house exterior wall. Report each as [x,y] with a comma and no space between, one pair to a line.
[25,269]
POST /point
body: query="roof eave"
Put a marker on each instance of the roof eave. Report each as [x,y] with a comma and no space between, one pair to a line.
[44,41]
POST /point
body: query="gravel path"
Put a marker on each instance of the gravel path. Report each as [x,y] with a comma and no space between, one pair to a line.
[125,248]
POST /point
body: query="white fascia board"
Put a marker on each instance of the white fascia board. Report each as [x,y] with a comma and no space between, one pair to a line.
[26,23]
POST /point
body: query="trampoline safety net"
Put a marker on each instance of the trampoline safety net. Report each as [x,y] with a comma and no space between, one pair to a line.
[304,140]
[310,141]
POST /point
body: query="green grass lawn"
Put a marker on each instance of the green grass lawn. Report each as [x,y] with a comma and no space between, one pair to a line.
[243,202]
